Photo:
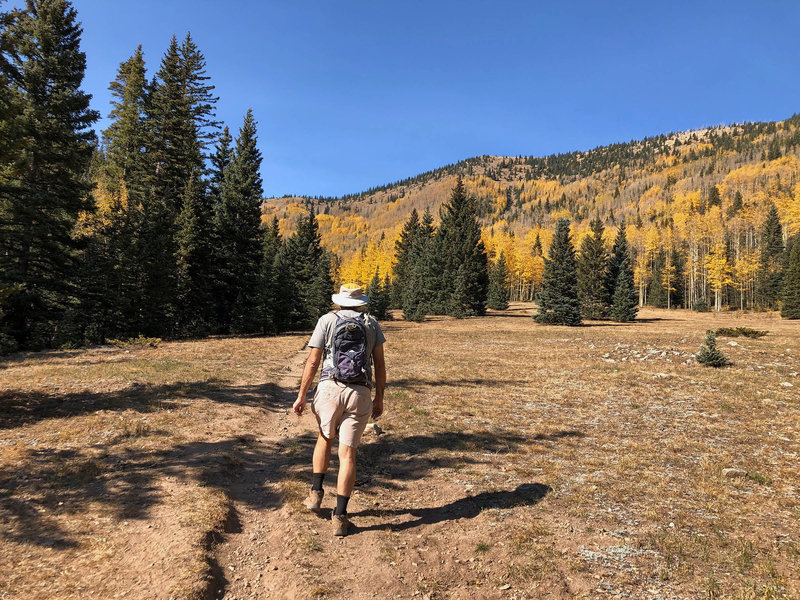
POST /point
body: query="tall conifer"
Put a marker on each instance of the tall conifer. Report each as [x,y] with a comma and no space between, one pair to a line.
[45,188]
[378,298]
[591,274]
[498,284]
[238,223]
[458,247]
[625,302]
[790,309]
[771,260]
[268,293]
[558,299]
[402,251]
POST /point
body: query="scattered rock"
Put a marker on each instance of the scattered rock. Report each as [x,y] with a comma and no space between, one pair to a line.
[661,375]
[786,384]
[733,472]
[733,344]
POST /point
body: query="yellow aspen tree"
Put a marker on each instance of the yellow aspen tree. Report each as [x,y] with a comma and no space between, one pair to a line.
[719,272]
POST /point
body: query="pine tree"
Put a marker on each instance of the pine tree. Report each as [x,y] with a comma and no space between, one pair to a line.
[709,355]
[402,250]
[458,246]
[268,297]
[771,243]
[303,268]
[418,291]
[591,273]
[625,302]
[558,299]
[714,198]
[238,225]
[45,186]
[378,298]
[498,285]
[619,252]
[790,309]
[194,306]
[124,138]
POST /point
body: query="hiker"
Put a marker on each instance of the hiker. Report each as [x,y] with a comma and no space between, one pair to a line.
[347,342]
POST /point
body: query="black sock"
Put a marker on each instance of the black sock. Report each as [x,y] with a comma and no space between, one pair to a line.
[341,505]
[316,481]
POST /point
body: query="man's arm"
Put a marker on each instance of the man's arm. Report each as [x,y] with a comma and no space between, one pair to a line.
[309,372]
[380,380]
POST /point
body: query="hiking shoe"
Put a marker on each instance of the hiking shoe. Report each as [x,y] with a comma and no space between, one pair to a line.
[340,524]
[314,500]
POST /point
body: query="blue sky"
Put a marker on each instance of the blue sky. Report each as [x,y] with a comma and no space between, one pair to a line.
[350,95]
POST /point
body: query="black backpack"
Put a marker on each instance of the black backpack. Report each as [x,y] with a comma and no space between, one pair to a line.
[350,358]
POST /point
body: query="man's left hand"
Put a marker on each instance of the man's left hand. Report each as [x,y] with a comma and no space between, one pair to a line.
[299,405]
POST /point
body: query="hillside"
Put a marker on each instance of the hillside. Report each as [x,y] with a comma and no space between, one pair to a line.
[662,186]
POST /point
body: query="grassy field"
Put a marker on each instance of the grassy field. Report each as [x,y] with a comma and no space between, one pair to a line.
[518,461]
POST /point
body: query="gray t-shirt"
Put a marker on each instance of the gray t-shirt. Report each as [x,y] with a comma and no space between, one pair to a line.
[323,338]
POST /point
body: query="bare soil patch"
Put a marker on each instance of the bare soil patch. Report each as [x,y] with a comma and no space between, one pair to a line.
[517,461]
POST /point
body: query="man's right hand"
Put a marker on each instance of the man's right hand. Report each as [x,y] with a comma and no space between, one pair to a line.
[377,408]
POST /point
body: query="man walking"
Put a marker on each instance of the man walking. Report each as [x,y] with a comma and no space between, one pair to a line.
[347,342]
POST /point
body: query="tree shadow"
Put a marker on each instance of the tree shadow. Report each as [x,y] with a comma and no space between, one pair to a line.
[24,407]
[391,460]
[526,494]
[127,480]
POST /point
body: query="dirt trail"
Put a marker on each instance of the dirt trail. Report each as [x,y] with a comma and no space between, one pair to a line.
[413,530]
[248,560]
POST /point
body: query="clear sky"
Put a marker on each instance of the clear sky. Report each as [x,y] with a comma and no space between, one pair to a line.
[350,95]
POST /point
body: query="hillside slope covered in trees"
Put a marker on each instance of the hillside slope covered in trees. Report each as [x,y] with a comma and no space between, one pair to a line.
[696,205]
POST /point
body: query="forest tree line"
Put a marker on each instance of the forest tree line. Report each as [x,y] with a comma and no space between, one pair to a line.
[155,231]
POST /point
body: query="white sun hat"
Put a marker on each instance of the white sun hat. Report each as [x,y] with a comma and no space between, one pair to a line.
[350,296]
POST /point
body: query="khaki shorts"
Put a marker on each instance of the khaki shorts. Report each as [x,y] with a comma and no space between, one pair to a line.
[342,410]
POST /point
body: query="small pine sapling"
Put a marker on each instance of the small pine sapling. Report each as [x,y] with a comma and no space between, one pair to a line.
[709,354]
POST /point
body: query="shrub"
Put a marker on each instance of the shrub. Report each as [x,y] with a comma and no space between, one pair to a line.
[741,332]
[138,342]
[709,355]
[701,306]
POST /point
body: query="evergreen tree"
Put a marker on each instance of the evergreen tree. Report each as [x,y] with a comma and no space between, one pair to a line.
[238,225]
[536,250]
[194,302]
[418,290]
[736,205]
[558,299]
[303,268]
[591,273]
[790,309]
[709,355]
[771,259]
[378,298]
[402,250]
[625,301]
[458,246]
[124,138]
[619,252]
[271,245]
[43,185]
[714,198]
[498,285]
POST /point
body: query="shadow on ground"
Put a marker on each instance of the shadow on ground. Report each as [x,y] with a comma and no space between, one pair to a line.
[48,481]
[22,407]
[526,494]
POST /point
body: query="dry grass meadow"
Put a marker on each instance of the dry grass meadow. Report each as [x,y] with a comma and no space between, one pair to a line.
[517,461]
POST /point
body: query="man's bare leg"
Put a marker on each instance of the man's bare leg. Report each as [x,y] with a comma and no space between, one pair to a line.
[319,463]
[322,455]
[347,477]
